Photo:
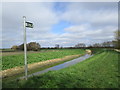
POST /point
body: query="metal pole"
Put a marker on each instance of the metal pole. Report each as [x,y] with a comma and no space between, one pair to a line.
[25,48]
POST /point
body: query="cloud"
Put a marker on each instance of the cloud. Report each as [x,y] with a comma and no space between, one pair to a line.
[88,22]
[87,32]
[40,14]
[100,14]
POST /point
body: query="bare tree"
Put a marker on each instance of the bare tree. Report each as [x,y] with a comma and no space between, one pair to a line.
[108,44]
[97,45]
[80,45]
[57,45]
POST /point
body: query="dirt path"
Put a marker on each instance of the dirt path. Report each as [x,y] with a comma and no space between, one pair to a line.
[88,51]
[18,70]
[117,50]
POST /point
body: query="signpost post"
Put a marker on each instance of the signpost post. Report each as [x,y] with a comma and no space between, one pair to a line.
[30,25]
[25,48]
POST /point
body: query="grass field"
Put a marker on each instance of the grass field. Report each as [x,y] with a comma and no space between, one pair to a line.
[18,60]
[8,49]
[99,71]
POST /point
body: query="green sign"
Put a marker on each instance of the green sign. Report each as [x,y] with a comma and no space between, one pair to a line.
[29,25]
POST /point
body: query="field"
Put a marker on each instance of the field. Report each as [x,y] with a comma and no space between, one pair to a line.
[18,60]
[99,71]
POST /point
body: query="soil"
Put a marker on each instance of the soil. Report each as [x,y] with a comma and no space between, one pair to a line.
[89,51]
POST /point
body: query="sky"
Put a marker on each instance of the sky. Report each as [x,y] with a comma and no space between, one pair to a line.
[63,23]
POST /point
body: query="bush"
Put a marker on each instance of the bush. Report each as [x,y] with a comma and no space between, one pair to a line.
[30,46]
[33,46]
[15,47]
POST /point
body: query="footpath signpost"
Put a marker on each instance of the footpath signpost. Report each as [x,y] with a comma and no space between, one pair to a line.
[29,25]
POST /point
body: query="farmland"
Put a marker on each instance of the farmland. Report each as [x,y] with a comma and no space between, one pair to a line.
[18,60]
[99,71]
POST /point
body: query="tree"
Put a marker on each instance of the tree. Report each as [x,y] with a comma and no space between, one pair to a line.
[57,45]
[31,46]
[108,44]
[117,38]
[21,47]
[80,45]
[15,47]
[97,45]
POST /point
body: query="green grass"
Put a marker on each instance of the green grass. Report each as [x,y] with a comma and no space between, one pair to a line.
[18,60]
[98,50]
[7,49]
[34,70]
[99,71]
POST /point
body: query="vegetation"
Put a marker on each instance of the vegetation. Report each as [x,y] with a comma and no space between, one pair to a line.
[18,60]
[98,50]
[117,39]
[33,46]
[99,71]
[30,46]
[80,45]
[7,50]
[15,47]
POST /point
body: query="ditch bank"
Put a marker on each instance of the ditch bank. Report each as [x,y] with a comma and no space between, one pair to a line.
[88,51]
[60,66]
[19,70]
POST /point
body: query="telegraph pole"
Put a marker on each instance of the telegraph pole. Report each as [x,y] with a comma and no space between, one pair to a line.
[25,48]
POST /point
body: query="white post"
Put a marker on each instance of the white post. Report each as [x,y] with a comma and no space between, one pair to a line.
[25,48]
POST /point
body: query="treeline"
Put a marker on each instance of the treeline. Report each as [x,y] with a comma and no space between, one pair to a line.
[33,46]
[108,44]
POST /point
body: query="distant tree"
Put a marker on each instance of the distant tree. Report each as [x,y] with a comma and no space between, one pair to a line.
[61,47]
[97,45]
[21,47]
[108,44]
[89,46]
[33,46]
[30,46]
[15,47]
[48,47]
[57,45]
[117,39]
[104,44]
[114,43]
[80,45]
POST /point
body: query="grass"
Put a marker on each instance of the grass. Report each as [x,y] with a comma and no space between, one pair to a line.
[18,60]
[9,50]
[98,50]
[34,71]
[99,71]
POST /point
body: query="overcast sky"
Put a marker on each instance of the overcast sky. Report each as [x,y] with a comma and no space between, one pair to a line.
[63,23]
